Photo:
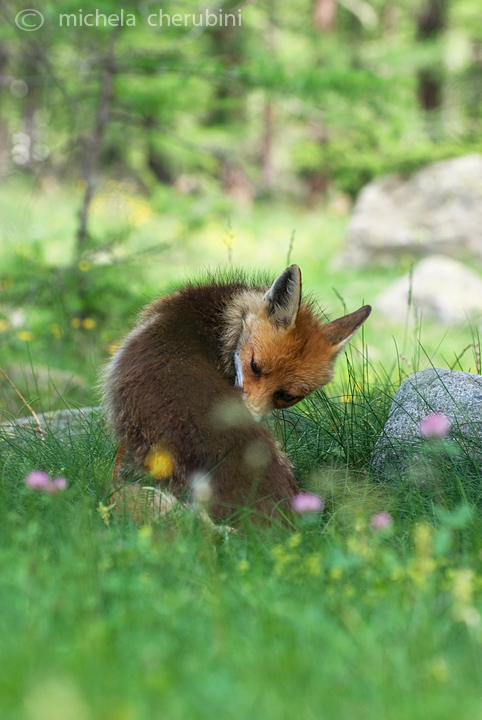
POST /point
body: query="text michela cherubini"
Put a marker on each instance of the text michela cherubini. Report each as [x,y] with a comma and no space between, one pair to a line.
[207,18]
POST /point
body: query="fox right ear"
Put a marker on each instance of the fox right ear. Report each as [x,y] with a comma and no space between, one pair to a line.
[340,331]
[282,301]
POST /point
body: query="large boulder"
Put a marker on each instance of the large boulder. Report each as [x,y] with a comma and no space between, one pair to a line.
[458,395]
[437,210]
[438,288]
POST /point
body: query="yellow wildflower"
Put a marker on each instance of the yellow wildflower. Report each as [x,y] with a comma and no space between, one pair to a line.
[25,335]
[281,559]
[243,566]
[159,462]
[423,563]
[104,512]
[294,541]
[422,536]
[145,532]
[140,212]
[463,585]
[313,564]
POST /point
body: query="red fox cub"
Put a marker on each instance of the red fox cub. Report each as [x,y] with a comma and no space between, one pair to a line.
[186,388]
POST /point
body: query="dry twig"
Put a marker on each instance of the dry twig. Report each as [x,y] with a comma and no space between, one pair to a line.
[36,417]
[476,347]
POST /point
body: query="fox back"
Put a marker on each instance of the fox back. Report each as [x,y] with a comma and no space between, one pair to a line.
[186,389]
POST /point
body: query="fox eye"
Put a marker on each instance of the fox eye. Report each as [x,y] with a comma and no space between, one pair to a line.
[285,397]
[255,368]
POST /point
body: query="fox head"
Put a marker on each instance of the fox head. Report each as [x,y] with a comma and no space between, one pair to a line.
[284,351]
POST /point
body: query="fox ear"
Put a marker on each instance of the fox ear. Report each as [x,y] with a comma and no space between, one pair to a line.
[282,301]
[341,331]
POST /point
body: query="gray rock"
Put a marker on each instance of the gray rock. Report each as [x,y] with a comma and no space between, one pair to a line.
[437,210]
[456,394]
[439,289]
[63,423]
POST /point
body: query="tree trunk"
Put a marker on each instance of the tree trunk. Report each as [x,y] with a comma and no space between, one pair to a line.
[92,155]
[324,14]
[431,22]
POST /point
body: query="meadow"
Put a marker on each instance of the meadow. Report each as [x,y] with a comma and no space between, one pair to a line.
[335,615]
[54,341]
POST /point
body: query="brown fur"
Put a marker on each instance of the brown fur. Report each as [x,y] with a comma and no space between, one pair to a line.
[170,390]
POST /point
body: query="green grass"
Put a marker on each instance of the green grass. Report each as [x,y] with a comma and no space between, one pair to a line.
[105,620]
[321,619]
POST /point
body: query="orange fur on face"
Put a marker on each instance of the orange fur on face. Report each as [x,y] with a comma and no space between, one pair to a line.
[291,362]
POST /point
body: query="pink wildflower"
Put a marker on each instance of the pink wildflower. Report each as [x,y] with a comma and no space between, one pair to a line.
[59,484]
[381,520]
[304,503]
[38,480]
[435,425]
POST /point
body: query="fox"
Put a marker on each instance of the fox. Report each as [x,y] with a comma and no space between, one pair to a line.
[185,391]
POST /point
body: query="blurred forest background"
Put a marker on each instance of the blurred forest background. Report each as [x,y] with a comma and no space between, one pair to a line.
[134,156]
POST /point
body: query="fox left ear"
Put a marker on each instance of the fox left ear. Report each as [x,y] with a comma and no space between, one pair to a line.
[282,301]
[341,331]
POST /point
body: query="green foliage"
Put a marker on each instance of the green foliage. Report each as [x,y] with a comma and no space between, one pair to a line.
[190,94]
[105,619]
